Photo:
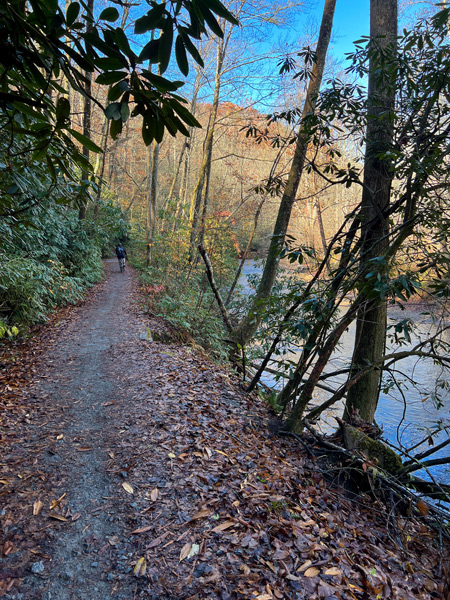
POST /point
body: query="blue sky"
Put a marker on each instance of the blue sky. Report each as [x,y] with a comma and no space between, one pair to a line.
[351,21]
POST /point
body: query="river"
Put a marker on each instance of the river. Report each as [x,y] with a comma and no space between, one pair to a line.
[404,414]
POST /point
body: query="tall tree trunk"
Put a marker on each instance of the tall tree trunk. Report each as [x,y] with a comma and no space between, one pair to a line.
[201,234]
[152,170]
[249,324]
[196,201]
[100,168]
[101,160]
[323,238]
[67,84]
[372,317]
[186,144]
[87,108]
[152,167]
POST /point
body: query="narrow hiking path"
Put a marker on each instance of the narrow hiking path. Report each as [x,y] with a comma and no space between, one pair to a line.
[136,469]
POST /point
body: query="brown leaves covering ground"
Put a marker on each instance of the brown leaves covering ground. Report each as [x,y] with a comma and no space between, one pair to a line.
[209,504]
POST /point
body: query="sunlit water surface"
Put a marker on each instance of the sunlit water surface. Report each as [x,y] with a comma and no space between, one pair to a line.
[405,413]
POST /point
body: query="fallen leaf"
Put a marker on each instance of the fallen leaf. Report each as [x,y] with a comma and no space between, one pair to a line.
[185,551]
[304,566]
[55,503]
[200,515]
[171,455]
[76,516]
[333,571]
[311,572]
[143,529]
[224,453]
[114,540]
[37,507]
[223,526]
[8,547]
[57,517]
[127,487]
[39,553]
[280,555]
[422,507]
[154,495]
[140,567]
[158,540]
[245,569]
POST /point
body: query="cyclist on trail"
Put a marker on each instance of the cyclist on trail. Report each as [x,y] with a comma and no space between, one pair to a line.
[121,254]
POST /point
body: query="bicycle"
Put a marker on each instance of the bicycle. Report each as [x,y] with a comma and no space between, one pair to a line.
[122,264]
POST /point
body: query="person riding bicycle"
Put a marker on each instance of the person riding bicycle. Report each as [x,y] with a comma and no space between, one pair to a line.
[121,254]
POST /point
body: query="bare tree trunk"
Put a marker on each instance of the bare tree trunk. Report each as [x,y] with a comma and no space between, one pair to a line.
[186,143]
[201,235]
[105,132]
[323,238]
[100,168]
[68,86]
[196,201]
[87,108]
[372,317]
[152,166]
[249,324]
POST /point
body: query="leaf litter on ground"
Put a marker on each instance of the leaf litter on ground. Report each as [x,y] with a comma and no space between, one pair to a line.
[215,505]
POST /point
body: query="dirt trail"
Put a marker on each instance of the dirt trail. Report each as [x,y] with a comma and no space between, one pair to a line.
[77,383]
[122,453]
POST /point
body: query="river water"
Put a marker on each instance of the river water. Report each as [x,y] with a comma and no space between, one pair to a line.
[404,414]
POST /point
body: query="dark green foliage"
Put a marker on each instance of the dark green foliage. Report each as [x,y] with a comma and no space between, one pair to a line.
[48,257]
[39,44]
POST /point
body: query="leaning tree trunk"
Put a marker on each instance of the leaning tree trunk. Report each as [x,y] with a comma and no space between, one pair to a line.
[372,317]
[323,238]
[201,234]
[249,324]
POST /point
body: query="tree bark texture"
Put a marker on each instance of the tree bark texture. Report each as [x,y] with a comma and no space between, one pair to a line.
[372,316]
[153,163]
[249,324]
[87,108]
